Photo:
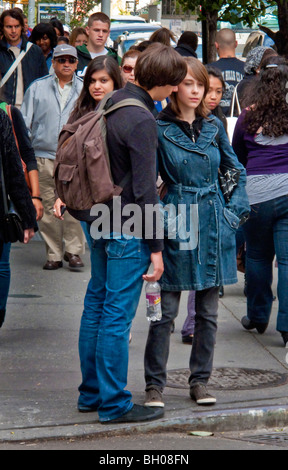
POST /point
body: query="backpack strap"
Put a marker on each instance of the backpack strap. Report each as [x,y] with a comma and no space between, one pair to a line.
[106,109]
[109,108]
[123,103]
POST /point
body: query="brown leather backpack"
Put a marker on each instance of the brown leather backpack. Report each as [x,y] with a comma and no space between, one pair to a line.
[82,168]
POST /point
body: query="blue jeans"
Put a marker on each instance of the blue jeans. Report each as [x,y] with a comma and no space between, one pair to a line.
[110,305]
[202,353]
[5,275]
[266,234]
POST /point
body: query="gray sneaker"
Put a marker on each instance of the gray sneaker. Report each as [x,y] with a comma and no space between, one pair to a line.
[154,398]
[198,392]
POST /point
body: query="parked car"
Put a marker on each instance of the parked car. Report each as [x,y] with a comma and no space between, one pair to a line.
[255,39]
[118,29]
[127,19]
[126,40]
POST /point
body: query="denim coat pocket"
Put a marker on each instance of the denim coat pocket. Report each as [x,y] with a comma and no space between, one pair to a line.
[231,219]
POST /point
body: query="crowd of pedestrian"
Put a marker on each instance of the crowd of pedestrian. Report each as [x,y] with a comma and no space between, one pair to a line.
[229,196]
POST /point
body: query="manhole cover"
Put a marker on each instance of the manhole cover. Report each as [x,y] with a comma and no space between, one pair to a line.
[225,378]
[277,438]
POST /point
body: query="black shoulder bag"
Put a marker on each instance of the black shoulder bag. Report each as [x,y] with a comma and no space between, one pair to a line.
[11,226]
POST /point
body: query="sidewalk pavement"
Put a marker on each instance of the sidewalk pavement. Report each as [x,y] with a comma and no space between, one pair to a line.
[40,370]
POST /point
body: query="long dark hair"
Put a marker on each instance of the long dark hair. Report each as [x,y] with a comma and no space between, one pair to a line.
[85,103]
[270,99]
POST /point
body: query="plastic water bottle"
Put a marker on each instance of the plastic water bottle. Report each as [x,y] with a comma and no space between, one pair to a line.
[153,301]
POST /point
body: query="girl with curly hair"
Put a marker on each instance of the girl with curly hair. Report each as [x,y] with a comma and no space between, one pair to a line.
[261,143]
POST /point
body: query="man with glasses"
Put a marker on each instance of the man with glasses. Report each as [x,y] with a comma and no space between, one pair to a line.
[46,107]
[98,31]
[31,66]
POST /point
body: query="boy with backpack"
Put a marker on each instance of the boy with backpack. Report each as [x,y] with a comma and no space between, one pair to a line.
[118,261]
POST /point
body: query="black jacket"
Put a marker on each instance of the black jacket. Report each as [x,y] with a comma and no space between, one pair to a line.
[33,67]
[132,142]
[186,51]
[15,183]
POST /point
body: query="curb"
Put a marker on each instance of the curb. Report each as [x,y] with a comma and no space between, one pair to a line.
[216,421]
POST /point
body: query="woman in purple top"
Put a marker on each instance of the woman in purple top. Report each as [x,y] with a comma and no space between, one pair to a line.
[261,143]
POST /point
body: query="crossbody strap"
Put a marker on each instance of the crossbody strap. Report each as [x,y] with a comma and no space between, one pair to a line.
[15,65]
[235,99]
[3,188]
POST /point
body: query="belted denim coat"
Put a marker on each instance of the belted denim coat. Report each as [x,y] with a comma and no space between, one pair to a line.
[200,252]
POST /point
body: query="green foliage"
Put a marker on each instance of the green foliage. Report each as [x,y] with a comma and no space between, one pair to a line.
[234,12]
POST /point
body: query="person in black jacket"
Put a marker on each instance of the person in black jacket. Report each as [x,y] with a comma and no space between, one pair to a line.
[31,67]
[187,44]
[17,190]
[120,260]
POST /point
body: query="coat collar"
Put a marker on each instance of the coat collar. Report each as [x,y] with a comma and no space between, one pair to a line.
[174,134]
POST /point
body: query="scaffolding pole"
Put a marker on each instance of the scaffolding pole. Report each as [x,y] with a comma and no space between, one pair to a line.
[31,13]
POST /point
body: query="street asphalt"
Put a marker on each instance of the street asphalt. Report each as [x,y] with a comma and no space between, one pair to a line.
[40,371]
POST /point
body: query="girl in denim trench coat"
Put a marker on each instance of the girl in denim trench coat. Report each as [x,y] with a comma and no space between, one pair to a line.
[200,242]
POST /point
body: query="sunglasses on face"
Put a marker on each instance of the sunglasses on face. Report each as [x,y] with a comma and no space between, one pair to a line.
[63,60]
[127,68]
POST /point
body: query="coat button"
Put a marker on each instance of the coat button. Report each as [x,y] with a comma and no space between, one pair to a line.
[185,162]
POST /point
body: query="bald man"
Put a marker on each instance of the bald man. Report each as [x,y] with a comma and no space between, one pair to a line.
[231,68]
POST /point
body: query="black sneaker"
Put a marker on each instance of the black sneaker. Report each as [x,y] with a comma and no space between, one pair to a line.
[284,335]
[136,414]
[250,325]
[2,317]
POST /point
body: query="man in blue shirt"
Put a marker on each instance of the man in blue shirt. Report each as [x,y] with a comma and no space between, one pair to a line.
[232,69]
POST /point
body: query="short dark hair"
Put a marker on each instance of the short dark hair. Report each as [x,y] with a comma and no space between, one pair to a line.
[189,38]
[159,65]
[141,46]
[62,39]
[99,16]
[42,29]
[13,13]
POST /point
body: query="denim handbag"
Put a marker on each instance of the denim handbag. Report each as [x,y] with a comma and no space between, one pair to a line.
[11,226]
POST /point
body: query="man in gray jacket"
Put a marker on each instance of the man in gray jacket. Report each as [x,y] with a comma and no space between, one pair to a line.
[46,107]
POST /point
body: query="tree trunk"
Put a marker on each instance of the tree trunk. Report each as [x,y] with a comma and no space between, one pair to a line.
[211,29]
[281,37]
[283,15]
